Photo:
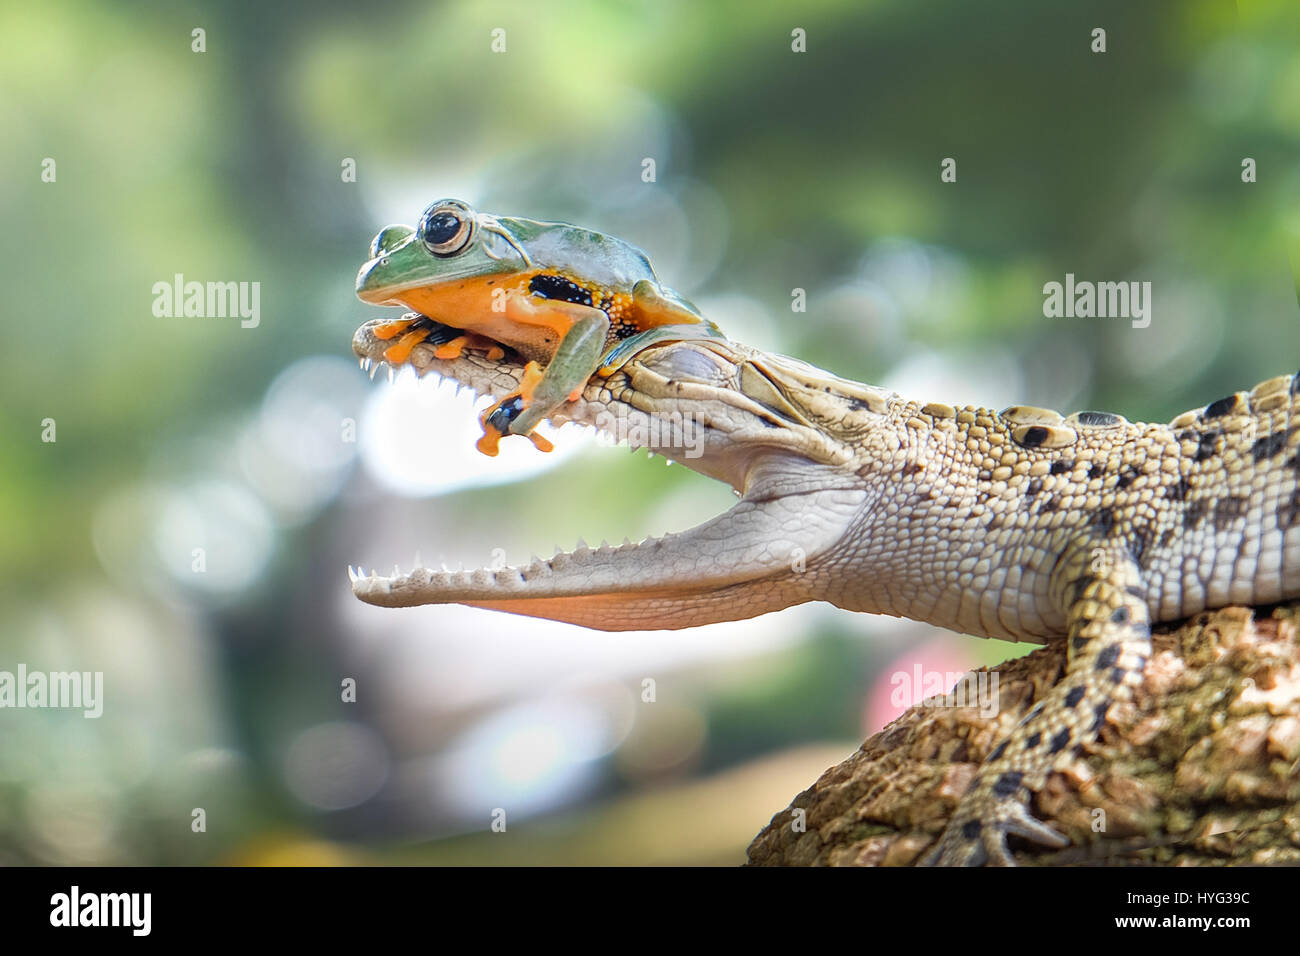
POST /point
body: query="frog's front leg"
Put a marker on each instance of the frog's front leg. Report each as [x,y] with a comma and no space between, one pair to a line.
[584,330]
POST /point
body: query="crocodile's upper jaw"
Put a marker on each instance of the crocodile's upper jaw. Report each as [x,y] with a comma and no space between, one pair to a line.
[719,408]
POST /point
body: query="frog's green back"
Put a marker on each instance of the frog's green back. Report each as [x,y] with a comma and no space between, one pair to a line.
[603,259]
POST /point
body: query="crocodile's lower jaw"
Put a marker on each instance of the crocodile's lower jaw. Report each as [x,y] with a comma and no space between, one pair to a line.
[748,561]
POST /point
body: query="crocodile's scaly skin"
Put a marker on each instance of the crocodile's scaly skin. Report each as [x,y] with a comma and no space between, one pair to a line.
[1021,524]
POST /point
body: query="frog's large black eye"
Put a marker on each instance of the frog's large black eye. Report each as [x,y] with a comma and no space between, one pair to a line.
[446,227]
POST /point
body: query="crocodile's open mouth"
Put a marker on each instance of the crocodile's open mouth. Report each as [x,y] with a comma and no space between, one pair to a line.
[716,407]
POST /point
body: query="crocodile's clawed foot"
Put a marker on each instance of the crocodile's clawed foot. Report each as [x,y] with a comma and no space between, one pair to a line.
[970,841]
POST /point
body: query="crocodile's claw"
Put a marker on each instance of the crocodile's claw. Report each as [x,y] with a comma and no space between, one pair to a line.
[970,841]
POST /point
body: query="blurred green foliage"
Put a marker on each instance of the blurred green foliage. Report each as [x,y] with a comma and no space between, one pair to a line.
[775,171]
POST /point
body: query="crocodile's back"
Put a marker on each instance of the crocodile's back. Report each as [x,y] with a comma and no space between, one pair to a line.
[1207,505]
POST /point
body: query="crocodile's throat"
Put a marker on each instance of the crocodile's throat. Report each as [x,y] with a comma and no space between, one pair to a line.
[739,416]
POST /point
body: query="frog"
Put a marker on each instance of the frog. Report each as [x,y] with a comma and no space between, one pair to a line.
[574,303]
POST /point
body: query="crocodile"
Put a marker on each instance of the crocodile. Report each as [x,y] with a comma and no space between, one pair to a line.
[1022,524]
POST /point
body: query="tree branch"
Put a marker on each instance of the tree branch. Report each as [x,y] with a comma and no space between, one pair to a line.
[1202,767]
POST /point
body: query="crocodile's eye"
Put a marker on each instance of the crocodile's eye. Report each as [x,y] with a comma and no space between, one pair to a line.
[446,228]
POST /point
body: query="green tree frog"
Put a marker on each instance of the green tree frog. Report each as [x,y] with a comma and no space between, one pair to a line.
[574,303]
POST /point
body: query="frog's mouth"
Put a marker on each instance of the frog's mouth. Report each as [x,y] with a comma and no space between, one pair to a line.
[697,403]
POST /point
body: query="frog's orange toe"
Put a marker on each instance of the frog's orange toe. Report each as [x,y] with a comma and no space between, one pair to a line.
[399,353]
[451,349]
[392,329]
[490,443]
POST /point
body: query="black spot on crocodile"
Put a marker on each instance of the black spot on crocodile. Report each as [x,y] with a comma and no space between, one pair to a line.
[1034,436]
[1057,743]
[970,830]
[1033,740]
[1099,716]
[858,404]
[1120,616]
[1007,784]
[1034,487]
[1188,434]
[559,288]
[1048,505]
[1102,419]
[1206,448]
[1229,510]
[1080,584]
[1096,470]
[1166,539]
[1178,490]
[911,468]
[1103,520]
[1074,696]
[1220,408]
[1139,541]
[1107,658]
[999,750]
[1079,643]
[1116,676]
[1289,513]
[1061,467]
[1270,445]
[1194,514]
[1126,477]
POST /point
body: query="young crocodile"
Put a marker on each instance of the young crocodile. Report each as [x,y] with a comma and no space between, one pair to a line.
[1020,524]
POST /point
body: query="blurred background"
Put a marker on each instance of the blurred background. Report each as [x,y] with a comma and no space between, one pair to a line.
[187,531]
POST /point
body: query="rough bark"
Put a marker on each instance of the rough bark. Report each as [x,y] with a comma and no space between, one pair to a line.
[1201,768]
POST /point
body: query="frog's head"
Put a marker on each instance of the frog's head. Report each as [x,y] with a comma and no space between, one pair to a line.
[451,242]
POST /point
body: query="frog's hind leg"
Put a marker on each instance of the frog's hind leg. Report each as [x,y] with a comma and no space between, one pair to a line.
[583,331]
[567,373]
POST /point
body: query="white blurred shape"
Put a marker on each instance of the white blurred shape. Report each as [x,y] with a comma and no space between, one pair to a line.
[417,439]
[987,378]
[297,452]
[527,758]
[336,765]
[229,524]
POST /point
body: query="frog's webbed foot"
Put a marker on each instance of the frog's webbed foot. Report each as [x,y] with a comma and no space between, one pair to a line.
[503,417]
[566,375]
